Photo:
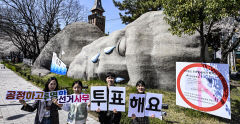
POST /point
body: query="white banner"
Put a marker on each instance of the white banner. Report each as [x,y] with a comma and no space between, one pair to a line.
[34,95]
[57,66]
[204,87]
[74,98]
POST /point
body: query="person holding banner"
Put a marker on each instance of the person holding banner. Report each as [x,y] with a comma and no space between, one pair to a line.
[47,111]
[77,111]
[109,117]
[140,85]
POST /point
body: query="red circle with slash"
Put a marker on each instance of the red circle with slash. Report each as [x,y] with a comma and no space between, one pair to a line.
[220,76]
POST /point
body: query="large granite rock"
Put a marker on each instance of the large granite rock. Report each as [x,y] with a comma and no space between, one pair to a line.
[69,41]
[145,50]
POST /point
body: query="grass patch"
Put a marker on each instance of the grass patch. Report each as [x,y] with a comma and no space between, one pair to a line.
[175,114]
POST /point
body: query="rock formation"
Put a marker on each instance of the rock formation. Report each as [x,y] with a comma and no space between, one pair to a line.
[145,50]
[69,41]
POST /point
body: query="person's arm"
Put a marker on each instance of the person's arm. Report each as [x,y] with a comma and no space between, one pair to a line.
[88,106]
[30,108]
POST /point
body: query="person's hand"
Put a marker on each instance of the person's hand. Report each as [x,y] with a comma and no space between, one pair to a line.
[55,101]
[153,116]
[22,102]
[89,104]
[114,111]
[133,116]
[98,110]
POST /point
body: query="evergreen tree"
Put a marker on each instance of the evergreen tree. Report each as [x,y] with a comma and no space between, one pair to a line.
[135,8]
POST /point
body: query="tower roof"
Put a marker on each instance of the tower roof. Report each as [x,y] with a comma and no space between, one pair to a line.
[98,5]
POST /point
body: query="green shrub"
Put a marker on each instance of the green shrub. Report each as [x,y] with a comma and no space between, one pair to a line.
[18,69]
[125,119]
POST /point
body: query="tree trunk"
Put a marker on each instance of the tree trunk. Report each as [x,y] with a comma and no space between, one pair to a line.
[224,59]
[203,44]
[202,53]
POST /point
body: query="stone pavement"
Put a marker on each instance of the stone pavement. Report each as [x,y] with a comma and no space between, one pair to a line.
[10,111]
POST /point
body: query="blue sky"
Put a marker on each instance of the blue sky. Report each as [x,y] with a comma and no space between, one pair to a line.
[113,21]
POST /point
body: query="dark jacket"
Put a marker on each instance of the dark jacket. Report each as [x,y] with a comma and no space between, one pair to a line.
[40,106]
[140,120]
[108,117]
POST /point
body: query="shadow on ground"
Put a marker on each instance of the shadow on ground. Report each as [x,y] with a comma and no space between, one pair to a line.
[16,116]
[12,104]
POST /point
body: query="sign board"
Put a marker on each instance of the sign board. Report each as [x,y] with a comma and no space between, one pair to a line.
[25,95]
[74,98]
[34,95]
[98,98]
[153,105]
[136,105]
[57,66]
[204,87]
[117,98]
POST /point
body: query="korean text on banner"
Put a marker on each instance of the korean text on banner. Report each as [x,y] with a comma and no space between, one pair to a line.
[136,105]
[98,98]
[117,97]
[153,105]
[204,87]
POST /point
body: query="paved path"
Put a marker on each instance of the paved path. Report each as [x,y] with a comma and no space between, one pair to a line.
[10,111]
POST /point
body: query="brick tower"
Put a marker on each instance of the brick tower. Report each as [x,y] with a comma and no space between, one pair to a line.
[97,18]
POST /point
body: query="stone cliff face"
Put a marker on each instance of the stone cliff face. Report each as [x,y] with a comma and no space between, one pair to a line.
[145,50]
[70,41]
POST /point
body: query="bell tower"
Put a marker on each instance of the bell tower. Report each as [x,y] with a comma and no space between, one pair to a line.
[97,18]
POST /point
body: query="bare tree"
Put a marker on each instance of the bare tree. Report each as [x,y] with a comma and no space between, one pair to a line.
[73,11]
[31,23]
[225,36]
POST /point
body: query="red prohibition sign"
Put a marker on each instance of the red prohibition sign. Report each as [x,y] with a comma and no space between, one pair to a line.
[220,76]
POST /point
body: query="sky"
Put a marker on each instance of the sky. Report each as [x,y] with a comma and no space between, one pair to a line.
[113,21]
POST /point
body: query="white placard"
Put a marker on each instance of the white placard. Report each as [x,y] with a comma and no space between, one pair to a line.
[98,98]
[204,87]
[25,95]
[117,98]
[153,105]
[136,105]
[74,98]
